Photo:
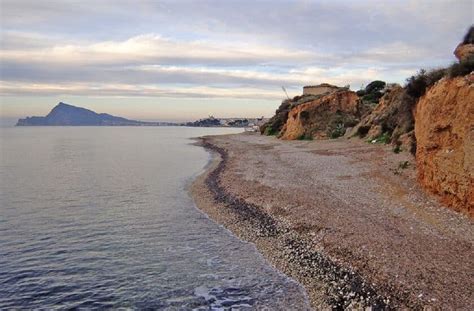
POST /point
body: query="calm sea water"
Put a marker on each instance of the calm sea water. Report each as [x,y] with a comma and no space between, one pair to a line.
[100,217]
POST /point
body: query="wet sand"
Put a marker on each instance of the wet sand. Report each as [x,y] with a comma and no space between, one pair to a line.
[343,217]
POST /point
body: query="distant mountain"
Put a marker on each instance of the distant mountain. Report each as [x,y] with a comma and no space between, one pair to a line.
[64,114]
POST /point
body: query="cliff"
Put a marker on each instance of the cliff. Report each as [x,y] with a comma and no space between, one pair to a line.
[444,129]
[276,123]
[64,114]
[327,114]
[392,117]
[323,117]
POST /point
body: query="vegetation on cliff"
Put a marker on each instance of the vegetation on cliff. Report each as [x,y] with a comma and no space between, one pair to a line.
[324,117]
[321,116]
[391,119]
[275,124]
[372,92]
[394,115]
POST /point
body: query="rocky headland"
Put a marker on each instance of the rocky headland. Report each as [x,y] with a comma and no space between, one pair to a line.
[68,115]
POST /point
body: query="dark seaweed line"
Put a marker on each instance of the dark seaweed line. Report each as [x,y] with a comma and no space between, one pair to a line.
[264,223]
[346,286]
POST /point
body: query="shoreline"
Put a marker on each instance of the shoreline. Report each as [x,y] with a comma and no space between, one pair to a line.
[198,194]
[330,282]
[250,223]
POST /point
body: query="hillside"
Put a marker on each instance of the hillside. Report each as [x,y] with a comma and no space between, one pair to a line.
[65,114]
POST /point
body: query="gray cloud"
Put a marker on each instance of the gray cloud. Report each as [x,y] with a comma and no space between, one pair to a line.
[145,47]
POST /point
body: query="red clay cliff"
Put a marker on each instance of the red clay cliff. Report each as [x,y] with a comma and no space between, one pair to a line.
[444,130]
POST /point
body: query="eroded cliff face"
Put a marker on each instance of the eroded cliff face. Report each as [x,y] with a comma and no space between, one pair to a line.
[393,115]
[323,117]
[444,129]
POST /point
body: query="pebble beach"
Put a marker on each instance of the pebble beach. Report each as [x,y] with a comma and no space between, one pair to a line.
[345,218]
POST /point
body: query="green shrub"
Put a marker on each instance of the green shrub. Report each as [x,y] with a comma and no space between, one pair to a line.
[375,86]
[417,85]
[372,92]
[397,149]
[360,93]
[305,137]
[372,97]
[297,98]
[337,131]
[462,68]
[269,131]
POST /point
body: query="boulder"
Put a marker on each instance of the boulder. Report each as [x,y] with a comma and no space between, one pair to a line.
[464,51]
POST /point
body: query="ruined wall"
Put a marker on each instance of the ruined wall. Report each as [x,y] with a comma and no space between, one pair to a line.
[319,89]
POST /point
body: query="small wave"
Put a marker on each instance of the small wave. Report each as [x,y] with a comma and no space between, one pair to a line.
[224,298]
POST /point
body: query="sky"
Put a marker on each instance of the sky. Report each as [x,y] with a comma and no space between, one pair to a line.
[184,60]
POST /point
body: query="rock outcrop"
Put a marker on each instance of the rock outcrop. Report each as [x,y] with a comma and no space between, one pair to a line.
[323,117]
[393,116]
[465,49]
[444,129]
[276,123]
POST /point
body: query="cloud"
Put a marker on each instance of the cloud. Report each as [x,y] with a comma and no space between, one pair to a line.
[129,90]
[173,81]
[147,48]
[153,59]
[244,49]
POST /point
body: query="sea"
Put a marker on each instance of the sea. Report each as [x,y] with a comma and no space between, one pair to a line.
[101,218]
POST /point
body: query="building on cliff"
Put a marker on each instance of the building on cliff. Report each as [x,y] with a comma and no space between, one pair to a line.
[320,89]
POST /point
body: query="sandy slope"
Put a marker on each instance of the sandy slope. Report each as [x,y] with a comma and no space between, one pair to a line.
[343,218]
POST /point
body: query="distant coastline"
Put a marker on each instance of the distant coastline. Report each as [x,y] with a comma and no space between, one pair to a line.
[68,115]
